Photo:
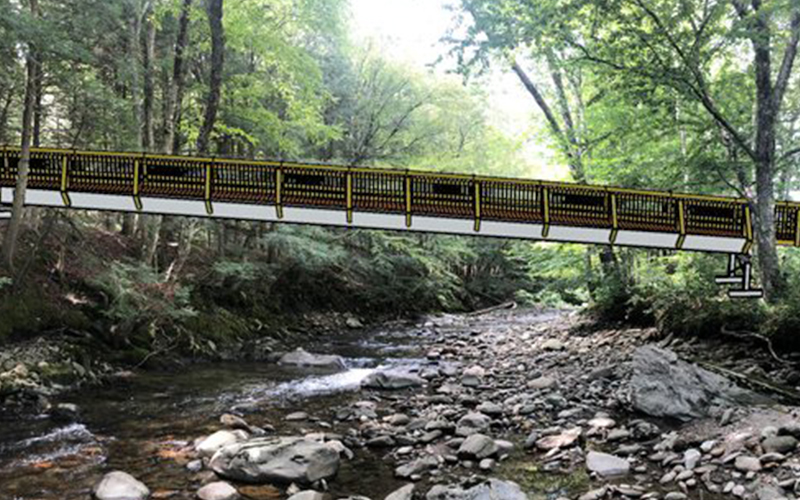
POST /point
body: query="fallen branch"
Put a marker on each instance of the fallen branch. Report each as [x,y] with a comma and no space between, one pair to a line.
[766,340]
[507,305]
[750,380]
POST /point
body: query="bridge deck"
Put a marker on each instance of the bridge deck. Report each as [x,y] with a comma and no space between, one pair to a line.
[388,199]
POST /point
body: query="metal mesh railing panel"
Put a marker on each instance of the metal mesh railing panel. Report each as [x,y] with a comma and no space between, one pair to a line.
[379,192]
[100,174]
[645,212]
[243,183]
[786,223]
[313,187]
[173,177]
[442,196]
[714,218]
[511,202]
[579,207]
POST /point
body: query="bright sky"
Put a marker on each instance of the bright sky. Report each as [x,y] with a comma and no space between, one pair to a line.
[411,30]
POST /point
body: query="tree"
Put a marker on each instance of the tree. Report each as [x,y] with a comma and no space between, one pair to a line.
[678,45]
[32,75]
[214,10]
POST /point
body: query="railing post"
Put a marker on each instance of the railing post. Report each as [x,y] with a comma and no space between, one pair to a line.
[681,224]
[65,180]
[546,211]
[797,227]
[614,221]
[137,201]
[207,193]
[748,230]
[349,195]
[478,186]
[408,199]
[278,194]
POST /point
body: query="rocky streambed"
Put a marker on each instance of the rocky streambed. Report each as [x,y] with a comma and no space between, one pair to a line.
[505,405]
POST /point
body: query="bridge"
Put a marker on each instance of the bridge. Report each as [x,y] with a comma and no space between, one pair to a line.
[401,200]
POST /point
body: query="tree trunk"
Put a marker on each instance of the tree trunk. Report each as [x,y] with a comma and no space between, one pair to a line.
[15,224]
[37,108]
[174,95]
[214,10]
[149,89]
[134,32]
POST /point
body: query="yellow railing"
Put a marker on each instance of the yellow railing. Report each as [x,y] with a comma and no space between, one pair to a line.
[409,193]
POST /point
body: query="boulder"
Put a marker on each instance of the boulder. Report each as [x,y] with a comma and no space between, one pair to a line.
[664,386]
[218,490]
[477,446]
[416,467]
[208,446]
[276,460]
[301,357]
[391,380]
[493,489]
[779,444]
[404,493]
[120,485]
[472,423]
[605,465]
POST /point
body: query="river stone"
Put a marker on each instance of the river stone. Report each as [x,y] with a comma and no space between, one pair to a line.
[308,495]
[477,446]
[779,444]
[472,423]
[747,464]
[391,380]
[416,467]
[118,485]
[404,493]
[301,357]
[493,489]
[605,465]
[663,385]
[276,459]
[219,490]
[219,439]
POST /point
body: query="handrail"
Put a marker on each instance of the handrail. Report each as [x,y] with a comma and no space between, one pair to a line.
[405,192]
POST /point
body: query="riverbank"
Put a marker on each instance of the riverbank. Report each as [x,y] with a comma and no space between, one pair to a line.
[536,398]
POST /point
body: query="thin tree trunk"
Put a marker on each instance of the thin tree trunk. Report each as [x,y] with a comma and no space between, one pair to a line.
[15,224]
[214,10]
[134,32]
[174,95]
[37,108]
[149,89]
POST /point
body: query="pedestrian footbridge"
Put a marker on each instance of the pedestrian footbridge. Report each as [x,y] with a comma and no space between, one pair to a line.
[402,200]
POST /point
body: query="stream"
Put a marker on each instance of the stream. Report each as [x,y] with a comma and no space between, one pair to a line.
[142,425]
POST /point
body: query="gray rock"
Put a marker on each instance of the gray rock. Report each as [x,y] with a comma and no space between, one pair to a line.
[779,444]
[416,467]
[493,489]
[747,464]
[392,380]
[605,465]
[208,446]
[477,446]
[691,457]
[308,495]
[404,493]
[276,459]
[301,357]
[662,385]
[118,485]
[472,423]
[553,345]
[489,408]
[218,490]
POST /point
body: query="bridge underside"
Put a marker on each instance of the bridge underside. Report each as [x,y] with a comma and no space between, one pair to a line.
[395,222]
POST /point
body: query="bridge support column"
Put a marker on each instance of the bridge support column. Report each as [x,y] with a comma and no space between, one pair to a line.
[740,276]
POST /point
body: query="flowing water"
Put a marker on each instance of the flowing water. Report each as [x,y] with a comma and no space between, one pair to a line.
[142,425]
